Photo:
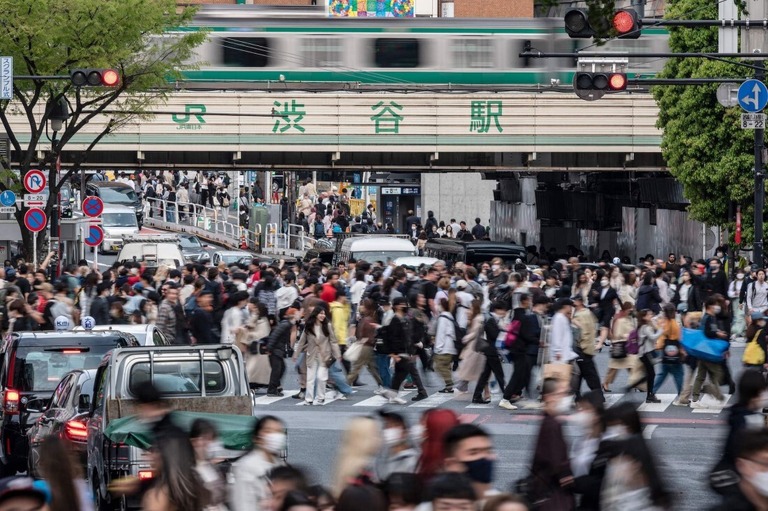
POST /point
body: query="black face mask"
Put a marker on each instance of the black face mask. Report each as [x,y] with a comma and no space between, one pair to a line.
[480,471]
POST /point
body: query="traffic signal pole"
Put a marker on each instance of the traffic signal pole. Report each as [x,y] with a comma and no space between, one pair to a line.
[757,250]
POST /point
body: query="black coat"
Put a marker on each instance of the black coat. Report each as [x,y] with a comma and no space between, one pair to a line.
[280,338]
[648,298]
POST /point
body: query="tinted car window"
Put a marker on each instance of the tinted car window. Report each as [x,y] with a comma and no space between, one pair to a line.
[40,369]
[108,194]
[179,377]
[246,51]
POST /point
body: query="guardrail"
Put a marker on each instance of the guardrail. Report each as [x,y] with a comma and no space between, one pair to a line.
[290,238]
[211,224]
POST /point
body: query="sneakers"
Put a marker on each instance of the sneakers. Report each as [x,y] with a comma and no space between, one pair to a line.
[677,402]
[397,401]
[481,401]
[697,404]
[507,405]
[300,395]
[275,394]
[446,390]
[379,390]
[652,399]
[409,386]
[319,402]
[305,403]
[342,397]
[419,397]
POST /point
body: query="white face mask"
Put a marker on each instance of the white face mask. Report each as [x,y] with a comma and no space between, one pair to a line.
[214,449]
[716,309]
[274,442]
[604,283]
[760,482]
[495,267]
[417,433]
[392,436]
[740,276]
[563,405]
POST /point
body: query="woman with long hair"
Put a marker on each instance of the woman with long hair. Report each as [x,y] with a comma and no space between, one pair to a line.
[429,434]
[471,361]
[647,335]
[319,342]
[366,334]
[208,450]
[672,352]
[58,467]
[177,485]
[623,325]
[360,443]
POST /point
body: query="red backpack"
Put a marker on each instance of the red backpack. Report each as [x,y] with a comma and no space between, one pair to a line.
[513,333]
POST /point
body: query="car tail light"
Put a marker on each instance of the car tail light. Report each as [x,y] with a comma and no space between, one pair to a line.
[76,431]
[145,474]
[11,402]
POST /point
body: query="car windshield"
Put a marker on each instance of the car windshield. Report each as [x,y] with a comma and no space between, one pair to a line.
[232,258]
[380,255]
[40,369]
[190,242]
[119,195]
[182,377]
[119,220]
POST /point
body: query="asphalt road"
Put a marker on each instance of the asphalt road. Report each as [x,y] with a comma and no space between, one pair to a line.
[687,442]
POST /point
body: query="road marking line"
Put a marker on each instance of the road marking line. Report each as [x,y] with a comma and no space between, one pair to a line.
[712,404]
[268,400]
[433,401]
[611,399]
[648,431]
[666,400]
[379,401]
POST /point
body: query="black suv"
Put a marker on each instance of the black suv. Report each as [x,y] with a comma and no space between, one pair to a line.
[32,363]
[121,194]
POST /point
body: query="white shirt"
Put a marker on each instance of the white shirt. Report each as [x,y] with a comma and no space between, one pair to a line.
[285,296]
[663,291]
[445,336]
[463,304]
[757,296]
[561,340]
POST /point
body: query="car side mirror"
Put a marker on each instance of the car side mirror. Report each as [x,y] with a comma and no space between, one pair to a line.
[84,403]
[35,406]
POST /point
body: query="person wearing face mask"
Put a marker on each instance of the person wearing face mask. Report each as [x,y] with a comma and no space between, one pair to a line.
[744,416]
[750,489]
[738,325]
[468,451]
[605,299]
[757,294]
[397,455]
[551,467]
[705,368]
[208,449]
[715,281]
[277,342]
[247,481]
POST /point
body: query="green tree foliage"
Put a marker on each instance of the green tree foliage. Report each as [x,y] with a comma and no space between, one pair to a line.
[703,143]
[51,37]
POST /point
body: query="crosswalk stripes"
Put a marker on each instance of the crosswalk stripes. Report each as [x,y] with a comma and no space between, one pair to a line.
[711,405]
[666,400]
[464,400]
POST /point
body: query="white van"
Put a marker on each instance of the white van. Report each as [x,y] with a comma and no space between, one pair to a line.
[117,222]
[376,248]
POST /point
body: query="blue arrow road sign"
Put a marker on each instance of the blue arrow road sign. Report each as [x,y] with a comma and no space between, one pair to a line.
[753,95]
[8,198]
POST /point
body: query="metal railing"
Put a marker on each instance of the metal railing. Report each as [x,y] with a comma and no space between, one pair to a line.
[218,224]
[287,237]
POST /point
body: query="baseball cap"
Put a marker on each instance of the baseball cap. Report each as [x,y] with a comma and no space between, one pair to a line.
[758,315]
[45,286]
[534,277]
[399,301]
[21,486]
[10,273]
[461,284]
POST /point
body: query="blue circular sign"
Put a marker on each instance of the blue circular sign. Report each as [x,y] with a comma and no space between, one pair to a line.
[92,206]
[753,96]
[95,236]
[35,220]
[8,198]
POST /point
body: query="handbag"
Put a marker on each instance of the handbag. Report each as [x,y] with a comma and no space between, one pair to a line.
[353,352]
[702,347]
[618,350]
[560,372]
[481,343]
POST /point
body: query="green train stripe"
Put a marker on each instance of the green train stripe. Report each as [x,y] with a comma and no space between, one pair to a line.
[394,28]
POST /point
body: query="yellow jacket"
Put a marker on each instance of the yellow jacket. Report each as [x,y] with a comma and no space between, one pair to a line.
[340,313]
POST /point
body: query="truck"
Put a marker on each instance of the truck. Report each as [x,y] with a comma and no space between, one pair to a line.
[204,381]
[152,251]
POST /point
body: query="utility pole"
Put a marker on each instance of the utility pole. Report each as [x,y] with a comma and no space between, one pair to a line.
[757,255]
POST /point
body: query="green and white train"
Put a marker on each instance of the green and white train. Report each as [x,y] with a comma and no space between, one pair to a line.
[248,45]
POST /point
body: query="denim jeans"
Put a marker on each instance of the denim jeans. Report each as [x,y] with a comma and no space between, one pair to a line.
[676,370]
[382,361]
[338,379]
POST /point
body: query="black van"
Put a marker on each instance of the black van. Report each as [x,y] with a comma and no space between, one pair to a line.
[32,365]
[473,252]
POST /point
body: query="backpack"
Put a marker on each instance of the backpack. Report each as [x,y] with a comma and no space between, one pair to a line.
[458,332]
[753,353]
[513,333]
[633,343]
[671,353]
[319,229]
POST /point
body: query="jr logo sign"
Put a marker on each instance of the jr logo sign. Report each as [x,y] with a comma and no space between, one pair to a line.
[192,119]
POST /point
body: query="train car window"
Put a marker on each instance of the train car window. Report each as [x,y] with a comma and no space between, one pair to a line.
[246,51]
[321,52]
[396,52]
[472,53]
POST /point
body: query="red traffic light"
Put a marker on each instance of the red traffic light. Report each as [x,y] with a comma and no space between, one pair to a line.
[94,77]
[617,81]
[627,24]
